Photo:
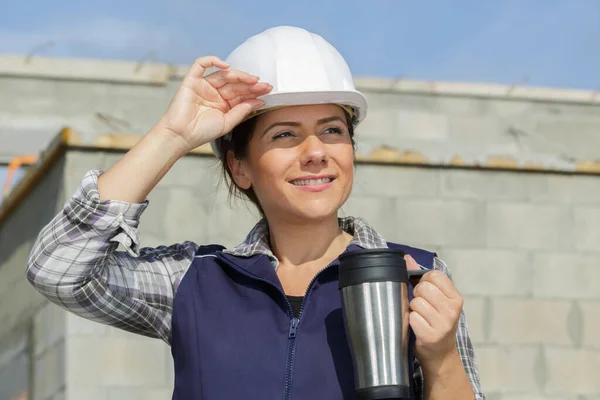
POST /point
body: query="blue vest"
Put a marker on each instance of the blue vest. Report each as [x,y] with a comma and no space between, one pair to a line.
[234,335]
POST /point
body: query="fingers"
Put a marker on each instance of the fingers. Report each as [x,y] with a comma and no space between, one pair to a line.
[240,111]
[202,64]
[221,78]
[432,295]
[441,281]
[419,325]
[233,90]
[422,307]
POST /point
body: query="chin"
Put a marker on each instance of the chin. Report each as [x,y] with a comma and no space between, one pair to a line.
[320,210]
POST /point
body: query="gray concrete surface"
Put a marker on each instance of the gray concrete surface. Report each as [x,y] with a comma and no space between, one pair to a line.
[31,331]
[523,247]
[476,122]
[513,241]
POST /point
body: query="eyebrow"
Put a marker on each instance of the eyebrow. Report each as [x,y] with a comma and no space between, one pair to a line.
[291,123]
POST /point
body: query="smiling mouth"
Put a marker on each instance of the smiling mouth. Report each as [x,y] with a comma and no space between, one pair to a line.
[311,182]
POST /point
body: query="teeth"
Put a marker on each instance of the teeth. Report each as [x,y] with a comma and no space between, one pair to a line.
[305,182]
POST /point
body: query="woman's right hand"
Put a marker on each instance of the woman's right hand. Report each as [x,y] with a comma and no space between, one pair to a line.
[207,107]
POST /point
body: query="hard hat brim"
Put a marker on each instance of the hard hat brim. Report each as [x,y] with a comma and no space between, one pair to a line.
[354,99]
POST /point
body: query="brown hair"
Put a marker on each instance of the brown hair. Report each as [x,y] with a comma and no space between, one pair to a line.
[238,142]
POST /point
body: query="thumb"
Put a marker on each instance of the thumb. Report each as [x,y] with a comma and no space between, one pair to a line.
[237,114]
[411,264]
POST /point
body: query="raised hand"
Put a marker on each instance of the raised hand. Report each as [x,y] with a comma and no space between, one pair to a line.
[207,107]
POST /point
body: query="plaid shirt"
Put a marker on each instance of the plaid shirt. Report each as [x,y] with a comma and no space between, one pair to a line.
[76,265]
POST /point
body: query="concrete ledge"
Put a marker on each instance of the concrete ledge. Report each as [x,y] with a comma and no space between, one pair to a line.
[68,138]
[490,90]
[84,69]
[160,74]
[380,155]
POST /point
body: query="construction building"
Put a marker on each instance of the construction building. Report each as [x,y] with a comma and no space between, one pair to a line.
[503,182]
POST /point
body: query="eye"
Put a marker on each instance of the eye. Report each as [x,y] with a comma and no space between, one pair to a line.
[334,129]
[283,134]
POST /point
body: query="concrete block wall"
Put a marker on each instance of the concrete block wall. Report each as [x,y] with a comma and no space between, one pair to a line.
[474,122]
[475,129]
[522,247]
[31,330]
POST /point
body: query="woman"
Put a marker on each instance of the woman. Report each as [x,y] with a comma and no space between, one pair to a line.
[261,320]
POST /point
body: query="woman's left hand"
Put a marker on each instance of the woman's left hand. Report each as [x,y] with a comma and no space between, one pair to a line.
[435,311]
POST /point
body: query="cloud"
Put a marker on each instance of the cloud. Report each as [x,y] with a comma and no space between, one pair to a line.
[104,37]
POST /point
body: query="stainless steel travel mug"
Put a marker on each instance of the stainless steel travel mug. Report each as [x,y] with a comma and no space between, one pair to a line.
[374,290]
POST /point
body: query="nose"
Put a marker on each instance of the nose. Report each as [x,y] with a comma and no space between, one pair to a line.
[314,151]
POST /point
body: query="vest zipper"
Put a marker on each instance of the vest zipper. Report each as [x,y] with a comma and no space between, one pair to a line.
[294,322]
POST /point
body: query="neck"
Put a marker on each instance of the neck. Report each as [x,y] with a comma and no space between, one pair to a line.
[296,243]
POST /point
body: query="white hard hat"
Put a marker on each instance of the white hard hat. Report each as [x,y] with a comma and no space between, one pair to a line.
[303,69]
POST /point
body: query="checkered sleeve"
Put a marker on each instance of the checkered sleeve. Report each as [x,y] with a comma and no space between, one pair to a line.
[75,264]
[465,350]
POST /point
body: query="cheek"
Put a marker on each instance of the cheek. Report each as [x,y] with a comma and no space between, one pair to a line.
[345,161]
[270,168]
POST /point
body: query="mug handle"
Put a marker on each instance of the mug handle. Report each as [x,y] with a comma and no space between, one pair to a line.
[415,276]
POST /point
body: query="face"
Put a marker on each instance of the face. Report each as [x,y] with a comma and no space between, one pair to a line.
[300,162]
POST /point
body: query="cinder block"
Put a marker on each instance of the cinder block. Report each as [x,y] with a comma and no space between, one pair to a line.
[476,310]
[78,326]
[566,276]
[15,370]
[392,181]
[185,216]
[586,228]
[77,164]
[380,124]
[526,226]
[49,372]
[566,189]
[170,367]
[139,394]
[572,371]
[440,222]
[489,185]
[229,225]
[76,392]
[529,321]
[153,221]
[508,369]
[478,272]
[113,332]
[49,324]
[423,124]
[509,107]
[23,300]
[13,268]
[376,211]
[463,106]
[479,132]
[559,129]
[110,361]
[193,171]
[62,395]
[590,311]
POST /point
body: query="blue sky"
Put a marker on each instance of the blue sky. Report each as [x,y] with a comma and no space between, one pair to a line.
[537,42]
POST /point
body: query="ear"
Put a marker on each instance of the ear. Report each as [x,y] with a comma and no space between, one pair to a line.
[239,171]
